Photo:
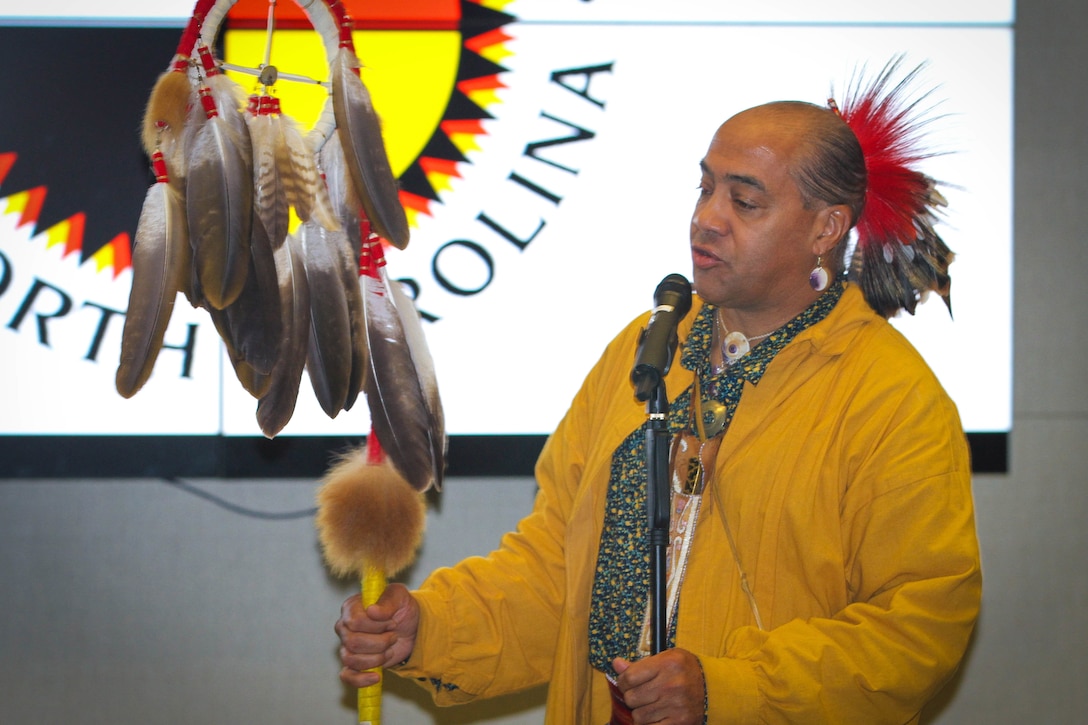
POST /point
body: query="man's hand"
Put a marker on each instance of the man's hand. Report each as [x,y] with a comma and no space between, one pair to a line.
[665,688]
[380,635]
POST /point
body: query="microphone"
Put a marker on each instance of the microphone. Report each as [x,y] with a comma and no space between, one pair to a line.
[657,344]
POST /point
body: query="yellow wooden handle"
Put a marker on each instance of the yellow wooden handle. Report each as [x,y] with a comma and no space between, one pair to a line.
[370,698]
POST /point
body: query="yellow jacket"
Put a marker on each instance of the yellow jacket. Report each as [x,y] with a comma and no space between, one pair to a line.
[846,480]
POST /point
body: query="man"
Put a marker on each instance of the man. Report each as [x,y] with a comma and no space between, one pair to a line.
[823,563]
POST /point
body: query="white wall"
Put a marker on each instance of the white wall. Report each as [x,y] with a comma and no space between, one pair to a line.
[135,602]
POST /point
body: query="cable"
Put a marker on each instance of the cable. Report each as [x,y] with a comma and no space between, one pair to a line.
[235,508]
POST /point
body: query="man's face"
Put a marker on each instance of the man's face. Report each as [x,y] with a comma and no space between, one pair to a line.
[752,239]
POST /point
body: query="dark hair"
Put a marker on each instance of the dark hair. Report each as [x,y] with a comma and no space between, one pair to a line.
[831,169]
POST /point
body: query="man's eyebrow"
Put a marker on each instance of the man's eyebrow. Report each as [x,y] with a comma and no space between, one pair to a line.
[746,180]
[735,178]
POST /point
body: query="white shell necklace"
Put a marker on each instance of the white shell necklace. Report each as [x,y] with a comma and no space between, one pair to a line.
[736,345]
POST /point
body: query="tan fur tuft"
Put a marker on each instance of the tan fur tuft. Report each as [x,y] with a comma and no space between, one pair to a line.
[168,103]
[368,515]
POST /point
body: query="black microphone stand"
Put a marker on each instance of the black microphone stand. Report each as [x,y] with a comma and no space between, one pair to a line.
[672,300]
[658,511]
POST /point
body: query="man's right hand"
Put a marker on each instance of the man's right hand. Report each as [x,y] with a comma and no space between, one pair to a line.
[380,635]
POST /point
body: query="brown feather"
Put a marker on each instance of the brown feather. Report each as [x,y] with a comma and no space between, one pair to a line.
[329,352]
[306,190]
[360,351]
[345,206]
[254,318]
[401,391]
[275,408]
[253,382]
[160,262]
[270,198]
[364,151]
[219,201]
[345,202]
[230,99]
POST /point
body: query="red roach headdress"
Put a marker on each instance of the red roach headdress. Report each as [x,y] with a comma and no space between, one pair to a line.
[899,256]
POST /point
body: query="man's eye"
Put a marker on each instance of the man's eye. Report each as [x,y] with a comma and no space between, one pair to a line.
[744,204]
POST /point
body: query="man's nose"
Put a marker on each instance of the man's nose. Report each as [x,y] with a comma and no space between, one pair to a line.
[710,217]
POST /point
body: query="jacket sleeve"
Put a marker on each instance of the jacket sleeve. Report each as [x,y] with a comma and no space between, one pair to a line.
[913,579]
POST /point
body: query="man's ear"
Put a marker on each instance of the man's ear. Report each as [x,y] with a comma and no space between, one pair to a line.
[834,223]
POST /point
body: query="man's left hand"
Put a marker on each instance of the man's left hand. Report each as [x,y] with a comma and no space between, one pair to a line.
[665,688]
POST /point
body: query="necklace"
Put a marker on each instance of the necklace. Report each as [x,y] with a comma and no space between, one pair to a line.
[736,345]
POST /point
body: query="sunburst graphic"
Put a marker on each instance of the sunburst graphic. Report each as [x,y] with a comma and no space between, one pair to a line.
[67,234]
[433,67]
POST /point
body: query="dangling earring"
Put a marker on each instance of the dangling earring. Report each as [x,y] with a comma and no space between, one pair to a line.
[818,277]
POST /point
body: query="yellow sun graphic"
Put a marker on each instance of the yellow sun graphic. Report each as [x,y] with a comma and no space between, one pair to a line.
[432,68]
